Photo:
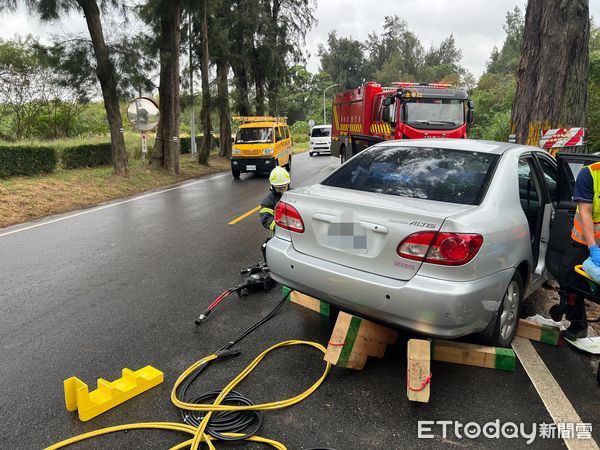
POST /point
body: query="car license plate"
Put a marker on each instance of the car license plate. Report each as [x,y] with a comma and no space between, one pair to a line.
[250,167]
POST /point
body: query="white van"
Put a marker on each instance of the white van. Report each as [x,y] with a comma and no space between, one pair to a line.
[320,140]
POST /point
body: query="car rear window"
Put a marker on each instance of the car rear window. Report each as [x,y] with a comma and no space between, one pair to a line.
[453,176]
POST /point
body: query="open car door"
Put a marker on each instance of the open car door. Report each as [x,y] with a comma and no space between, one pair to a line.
[569,165]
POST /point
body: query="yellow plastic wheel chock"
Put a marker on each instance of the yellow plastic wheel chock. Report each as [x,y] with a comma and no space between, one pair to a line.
[109,394]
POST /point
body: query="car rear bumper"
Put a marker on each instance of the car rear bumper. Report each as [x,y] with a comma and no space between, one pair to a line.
[259,164]
[427,305]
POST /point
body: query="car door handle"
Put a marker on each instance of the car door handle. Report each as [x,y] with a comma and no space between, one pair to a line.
[324,217]
[376,228]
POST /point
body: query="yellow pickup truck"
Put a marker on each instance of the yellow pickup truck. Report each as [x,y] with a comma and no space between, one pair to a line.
[261,144]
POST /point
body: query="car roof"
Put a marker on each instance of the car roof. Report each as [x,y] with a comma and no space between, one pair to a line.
[474,145]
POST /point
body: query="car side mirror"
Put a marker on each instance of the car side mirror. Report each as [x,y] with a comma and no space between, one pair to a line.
[470,104]
[470,117]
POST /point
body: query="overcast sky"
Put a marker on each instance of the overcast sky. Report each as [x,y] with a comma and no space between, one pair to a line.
[476,24]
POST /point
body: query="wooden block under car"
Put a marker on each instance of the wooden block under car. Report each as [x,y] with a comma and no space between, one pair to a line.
[354,339]
[473,355]
[418,372]
[547,334]
[308,302]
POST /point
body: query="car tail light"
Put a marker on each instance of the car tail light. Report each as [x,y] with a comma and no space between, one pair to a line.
[288,217]
[448,249]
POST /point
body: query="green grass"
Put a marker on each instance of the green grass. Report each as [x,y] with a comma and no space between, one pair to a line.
[27,198]
[300,147]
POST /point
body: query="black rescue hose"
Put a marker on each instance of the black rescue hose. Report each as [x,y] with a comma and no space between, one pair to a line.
[246,422]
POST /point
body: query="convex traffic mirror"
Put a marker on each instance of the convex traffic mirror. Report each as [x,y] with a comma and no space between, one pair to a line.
[143,114]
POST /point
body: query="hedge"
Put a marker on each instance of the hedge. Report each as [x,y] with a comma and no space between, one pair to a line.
[87,155]
[26,160]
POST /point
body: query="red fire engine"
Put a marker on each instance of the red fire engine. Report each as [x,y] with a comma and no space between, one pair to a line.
[373,113]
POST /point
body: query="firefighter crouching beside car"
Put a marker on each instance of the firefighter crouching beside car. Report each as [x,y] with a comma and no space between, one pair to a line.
[585,237]
[279,180]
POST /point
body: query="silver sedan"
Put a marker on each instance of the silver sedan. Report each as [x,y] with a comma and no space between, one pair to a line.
[445,237]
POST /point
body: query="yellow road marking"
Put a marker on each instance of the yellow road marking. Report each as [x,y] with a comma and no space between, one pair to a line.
[243,216]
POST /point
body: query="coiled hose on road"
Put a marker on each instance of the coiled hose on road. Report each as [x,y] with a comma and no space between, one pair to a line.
[230,413]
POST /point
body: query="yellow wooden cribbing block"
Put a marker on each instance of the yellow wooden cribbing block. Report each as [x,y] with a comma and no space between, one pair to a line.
[473,355]
[109,394]
[354,339]
[547,334]
[311,303]
[418,370]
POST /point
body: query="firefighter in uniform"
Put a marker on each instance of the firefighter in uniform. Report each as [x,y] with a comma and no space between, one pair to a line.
[279,180]
[585,237]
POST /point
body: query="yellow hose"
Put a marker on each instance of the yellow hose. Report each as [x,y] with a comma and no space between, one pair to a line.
[198,433]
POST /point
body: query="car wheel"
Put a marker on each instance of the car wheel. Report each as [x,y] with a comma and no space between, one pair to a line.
[310,153]
[507,319]
[235,173]
[288,166]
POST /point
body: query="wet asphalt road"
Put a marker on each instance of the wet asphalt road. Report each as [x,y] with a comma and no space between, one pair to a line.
[120,286]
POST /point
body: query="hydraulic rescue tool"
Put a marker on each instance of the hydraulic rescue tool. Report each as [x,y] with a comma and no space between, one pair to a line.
[258,278]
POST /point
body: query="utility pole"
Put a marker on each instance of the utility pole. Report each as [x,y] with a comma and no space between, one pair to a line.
[324,117]
[192,113]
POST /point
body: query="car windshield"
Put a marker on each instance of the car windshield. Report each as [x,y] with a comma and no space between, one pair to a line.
[445,175]
[432,111]
[320,132]
[253,135]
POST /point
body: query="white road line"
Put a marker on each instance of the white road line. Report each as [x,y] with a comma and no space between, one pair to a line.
[99,208]
[558,405]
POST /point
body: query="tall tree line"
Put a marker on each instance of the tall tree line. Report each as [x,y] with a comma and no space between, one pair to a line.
[255,40]
[396,54]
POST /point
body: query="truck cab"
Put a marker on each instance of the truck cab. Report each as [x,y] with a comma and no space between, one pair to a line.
[427,111]
[261,144]
[405,110]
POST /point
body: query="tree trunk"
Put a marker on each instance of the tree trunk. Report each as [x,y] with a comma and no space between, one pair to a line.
[165,153]
[260,96]
[276,75]
[240,80]
[206,145]
[108,82]
[273,94]
[552,77]
[224,115]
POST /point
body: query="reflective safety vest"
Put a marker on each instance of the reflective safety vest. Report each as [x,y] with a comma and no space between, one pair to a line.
[577,232]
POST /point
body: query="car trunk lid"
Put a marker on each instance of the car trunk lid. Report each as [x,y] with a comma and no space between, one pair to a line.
[362,230]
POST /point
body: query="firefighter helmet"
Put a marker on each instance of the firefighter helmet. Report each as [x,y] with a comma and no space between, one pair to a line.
[279,177]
